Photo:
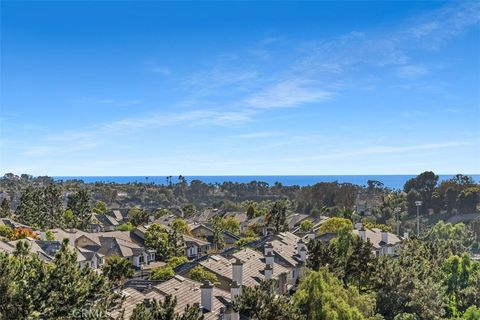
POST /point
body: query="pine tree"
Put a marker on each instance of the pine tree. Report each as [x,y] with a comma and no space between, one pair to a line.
[27,209]
[79,203]
[5,208]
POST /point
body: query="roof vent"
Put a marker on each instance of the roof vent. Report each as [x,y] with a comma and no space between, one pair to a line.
[179,278]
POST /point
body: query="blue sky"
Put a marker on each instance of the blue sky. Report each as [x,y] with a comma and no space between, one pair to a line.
[229,88]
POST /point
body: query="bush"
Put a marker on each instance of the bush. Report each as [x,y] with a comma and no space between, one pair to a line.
[125,227]
[245,240]
[162,273]
[176,261]
[200,274]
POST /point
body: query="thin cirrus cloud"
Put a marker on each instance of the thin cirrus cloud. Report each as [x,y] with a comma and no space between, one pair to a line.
[319,70]
[381,150]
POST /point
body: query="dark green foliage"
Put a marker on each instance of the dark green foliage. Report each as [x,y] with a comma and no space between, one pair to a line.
[137,216]
[79,203]
[5,210]
[276,219]
[321,296]
[33,289]
[41,208]
[218,238]
[262,303]
[117,269]
[347,256]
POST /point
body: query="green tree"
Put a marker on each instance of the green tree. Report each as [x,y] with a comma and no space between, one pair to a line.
[217,229]
[335,224]
[100,207]
[306,226]
[79,203]
[462,282]
[137,216]
[180,225]
[33,289]
[176,261]
[262,303]
[200,274]
[125,227]
[321,296]
[251,212]
[162,273]
[117,269]
[41,208]
[156,237]
[5,210]
[276,218]
[27,209]
[230,224]
[189,210]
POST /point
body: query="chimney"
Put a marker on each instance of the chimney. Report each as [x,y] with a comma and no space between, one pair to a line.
[311,235]
[207,295]
[268,248]
[146,303]
[358,226]
[269,258]
[300,245]
[235,290]
[237,271]
[231,314]
[268,271]
[362,234]
[405,235]
[384,236]
[303,254]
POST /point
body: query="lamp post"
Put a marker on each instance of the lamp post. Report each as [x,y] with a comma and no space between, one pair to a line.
[418,204]
[397,217]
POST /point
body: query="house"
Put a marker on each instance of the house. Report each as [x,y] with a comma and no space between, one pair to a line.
[247,267]
[290,251]
[105,244]
[204,231]
[207,214]
[383,242]
[214,303]
[47,249]
[239,216]
[109,221]
[194,247]
[294,220]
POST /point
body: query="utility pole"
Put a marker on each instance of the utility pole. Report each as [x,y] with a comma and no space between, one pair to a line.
[418,204]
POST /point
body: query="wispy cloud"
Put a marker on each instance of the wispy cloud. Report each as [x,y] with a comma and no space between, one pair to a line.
[161,70]
[288,93]
[259,134]
[108,101]
[381,150]
[412,71]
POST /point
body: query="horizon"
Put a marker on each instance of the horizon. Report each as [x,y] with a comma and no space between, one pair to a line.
[234,89]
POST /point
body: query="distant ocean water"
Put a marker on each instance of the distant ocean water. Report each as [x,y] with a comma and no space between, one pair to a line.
[390,181]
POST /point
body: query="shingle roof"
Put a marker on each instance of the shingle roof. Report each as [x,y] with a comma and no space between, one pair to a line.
[253,266]
[6,247]
[375,237]
[285,245]
[185,290]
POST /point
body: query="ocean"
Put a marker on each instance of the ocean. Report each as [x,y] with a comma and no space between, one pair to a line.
[390,181]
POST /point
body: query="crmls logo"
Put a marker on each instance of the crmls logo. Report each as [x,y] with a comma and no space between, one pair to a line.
[87,313]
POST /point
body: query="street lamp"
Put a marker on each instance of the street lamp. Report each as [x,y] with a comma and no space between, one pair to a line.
[418,204]
[397,217]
